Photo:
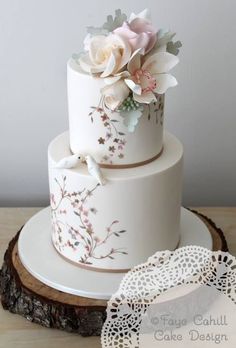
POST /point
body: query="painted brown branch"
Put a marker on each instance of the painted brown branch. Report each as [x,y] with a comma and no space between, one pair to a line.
[112,133]
[87,239]
[111,252]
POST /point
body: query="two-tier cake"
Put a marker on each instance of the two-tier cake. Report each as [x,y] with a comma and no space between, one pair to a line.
[116,177]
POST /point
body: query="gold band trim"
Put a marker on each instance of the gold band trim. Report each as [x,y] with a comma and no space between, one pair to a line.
[96,269]
[126,166]
[91,268]
[133,165]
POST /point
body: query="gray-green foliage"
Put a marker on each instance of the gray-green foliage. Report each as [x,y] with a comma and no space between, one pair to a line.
[111,24]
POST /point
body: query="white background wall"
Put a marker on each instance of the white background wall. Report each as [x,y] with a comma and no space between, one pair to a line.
[38,36]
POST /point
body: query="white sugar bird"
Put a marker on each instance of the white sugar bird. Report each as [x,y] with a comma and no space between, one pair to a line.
[94,169]
[69,162]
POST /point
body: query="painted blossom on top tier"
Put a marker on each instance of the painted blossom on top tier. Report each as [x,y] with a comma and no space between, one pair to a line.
[133,59]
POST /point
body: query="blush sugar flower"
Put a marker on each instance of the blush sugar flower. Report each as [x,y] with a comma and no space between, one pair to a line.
[133,61]
[139,33]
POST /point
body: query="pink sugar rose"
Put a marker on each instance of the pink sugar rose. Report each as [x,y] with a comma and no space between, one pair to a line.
[139,33]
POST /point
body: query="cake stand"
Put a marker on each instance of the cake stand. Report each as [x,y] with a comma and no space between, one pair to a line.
[39,284]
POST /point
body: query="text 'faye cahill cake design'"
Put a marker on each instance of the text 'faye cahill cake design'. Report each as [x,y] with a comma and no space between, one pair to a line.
[115,177]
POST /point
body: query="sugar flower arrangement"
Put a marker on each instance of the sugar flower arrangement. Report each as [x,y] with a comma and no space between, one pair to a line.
[132,58]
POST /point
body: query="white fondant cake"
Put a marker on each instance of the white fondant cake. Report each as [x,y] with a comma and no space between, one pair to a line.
[115,184]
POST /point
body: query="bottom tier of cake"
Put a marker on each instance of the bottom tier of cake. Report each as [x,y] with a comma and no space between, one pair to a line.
[119,225]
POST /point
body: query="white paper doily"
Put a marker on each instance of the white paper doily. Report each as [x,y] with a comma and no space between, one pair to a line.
[141,286]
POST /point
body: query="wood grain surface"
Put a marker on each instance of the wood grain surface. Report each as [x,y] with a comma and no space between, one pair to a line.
[15,331]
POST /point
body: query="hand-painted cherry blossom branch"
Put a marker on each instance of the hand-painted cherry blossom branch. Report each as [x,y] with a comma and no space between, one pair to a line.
[84,236]
[93,241]
[64,194]
[114,138]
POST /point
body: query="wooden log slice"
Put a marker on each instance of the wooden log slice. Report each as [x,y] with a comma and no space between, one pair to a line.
[23,294]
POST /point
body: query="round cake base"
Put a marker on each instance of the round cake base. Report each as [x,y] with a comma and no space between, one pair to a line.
[40,258]
[23,293]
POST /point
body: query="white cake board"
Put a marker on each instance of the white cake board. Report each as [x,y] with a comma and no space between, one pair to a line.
[40,258]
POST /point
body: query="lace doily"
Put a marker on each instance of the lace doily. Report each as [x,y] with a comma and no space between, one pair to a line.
[163,271]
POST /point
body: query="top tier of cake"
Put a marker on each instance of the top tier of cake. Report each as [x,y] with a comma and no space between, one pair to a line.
[101,132]
[116,91]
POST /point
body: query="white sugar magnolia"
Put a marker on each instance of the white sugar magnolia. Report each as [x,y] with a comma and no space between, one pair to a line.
[143,79]
[151,77]
[106,55]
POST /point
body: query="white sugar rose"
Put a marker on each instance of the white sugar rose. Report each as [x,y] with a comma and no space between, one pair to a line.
[115,94]
[106,55]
